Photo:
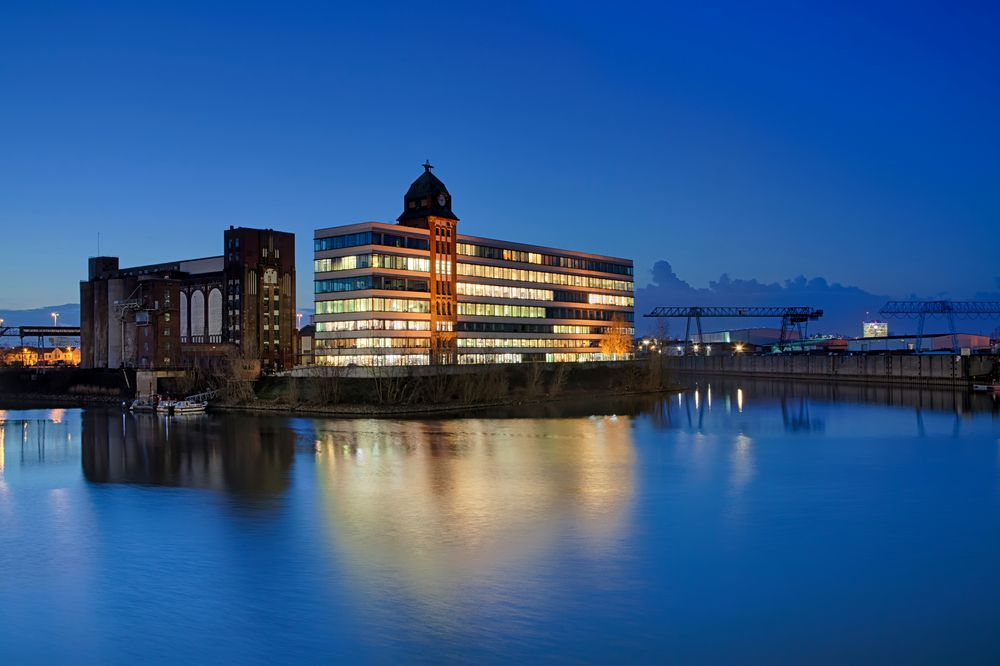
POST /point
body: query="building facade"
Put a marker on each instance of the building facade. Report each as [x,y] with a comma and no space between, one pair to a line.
[197,312]
[418,292]
[874,329]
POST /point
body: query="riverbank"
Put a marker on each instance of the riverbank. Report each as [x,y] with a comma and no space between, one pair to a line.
[447,390]
[371,392]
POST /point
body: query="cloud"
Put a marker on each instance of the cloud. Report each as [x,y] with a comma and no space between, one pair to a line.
[845,307]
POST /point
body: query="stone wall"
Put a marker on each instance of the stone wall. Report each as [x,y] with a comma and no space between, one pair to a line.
[924,368]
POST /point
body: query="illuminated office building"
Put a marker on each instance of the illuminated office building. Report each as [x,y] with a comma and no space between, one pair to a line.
[417,292]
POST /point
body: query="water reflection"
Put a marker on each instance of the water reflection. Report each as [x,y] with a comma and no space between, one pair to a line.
[247,455]
[757,402]
[442,505]
[34,437]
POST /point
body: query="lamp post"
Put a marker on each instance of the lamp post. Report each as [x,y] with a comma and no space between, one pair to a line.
[298,320]
[55,318]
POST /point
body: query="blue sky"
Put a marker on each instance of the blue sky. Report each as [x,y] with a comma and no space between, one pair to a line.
[854,142]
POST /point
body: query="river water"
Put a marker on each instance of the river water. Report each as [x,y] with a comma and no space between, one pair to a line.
[741,522]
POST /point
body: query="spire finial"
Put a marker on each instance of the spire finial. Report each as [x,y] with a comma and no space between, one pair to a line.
[427,166]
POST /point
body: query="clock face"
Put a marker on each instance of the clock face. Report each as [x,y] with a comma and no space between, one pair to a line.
[442,200]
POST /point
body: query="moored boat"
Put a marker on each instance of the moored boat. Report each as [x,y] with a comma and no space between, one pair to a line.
[143,405]
[190,407]
[987,388]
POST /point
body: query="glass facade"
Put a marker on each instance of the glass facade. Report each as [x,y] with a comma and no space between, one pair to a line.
[514,304]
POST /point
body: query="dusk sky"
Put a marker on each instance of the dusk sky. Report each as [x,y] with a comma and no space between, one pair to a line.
[854,142]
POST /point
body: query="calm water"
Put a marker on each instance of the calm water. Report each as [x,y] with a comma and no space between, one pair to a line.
[742,523]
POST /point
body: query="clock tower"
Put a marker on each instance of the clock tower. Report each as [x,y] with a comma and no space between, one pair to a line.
[427,205]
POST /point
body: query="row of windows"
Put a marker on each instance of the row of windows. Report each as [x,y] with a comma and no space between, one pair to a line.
[498,291]
[574,357]
[562,261]
[581,313]
[471,359]
[353,261]
[373,343]
[494,327]
[463,359]
[373,359]
[391,283]
[524,342]
[594,299]
[544,277]
[611,299]
[577,330]
[373,325]
[370,238]
[422,265]
[499,310]
[373,305]
[571,296]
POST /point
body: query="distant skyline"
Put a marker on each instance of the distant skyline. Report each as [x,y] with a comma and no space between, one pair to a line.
[850,144]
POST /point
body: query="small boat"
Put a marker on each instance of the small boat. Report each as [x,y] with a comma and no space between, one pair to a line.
[165,407]
[987,388]
[143,405]
[190,407]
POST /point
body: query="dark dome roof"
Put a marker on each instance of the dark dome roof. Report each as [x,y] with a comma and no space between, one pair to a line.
[422,199]
[426,185]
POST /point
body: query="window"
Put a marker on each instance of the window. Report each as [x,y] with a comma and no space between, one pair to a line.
[373,305]
[545,277]
[562,261]
[370,282]
[499,310]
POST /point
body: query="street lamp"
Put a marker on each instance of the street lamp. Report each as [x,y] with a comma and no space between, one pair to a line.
[55,318]
[298,320]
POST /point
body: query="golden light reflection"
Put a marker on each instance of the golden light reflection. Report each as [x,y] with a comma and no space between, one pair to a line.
[57,415]
[739,400]
[433,505]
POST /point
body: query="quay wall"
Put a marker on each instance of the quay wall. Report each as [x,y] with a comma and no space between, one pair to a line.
[936,369]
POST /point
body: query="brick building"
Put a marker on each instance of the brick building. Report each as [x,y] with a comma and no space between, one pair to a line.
[196,312]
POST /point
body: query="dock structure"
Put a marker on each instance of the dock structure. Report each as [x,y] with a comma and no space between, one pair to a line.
[790,317]
[920,310]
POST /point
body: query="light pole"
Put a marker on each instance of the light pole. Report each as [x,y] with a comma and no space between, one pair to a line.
[298,320]
[55,318]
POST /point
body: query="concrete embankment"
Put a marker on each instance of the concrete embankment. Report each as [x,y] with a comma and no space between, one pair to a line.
[929,369]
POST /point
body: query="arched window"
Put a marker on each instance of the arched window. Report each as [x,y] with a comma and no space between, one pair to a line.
[184,315]
[198,314]
[215,312]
